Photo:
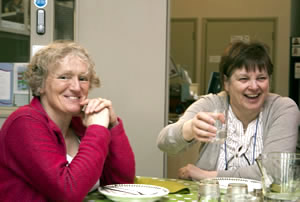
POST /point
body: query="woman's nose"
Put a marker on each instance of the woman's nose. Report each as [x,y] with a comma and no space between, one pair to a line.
[253,84]
[75,84]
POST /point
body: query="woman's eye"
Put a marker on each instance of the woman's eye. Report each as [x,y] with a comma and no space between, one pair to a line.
[63,77]
[262,78]
[243,79]
[83,78]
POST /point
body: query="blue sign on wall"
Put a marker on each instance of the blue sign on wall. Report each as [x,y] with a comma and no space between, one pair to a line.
[40,3]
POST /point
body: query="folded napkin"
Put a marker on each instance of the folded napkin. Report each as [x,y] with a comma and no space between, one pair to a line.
[173,186]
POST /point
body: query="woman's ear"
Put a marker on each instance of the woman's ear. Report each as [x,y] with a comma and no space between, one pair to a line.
[41,90]
[226,83]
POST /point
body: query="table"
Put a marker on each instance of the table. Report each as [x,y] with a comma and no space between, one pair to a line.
[190,197]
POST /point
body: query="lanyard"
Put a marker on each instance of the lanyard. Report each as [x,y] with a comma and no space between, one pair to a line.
[225,147]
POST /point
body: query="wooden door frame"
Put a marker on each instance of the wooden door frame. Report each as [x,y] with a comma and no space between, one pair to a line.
[173,163]
[195,23]
[203,56]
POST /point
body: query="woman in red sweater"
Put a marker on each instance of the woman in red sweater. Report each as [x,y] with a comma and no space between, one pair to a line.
[63,144]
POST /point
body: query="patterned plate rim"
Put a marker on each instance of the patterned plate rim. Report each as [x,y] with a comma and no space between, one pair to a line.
[162,191]
[243,180]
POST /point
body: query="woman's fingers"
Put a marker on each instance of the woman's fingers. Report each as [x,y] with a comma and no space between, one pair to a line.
[218,116]
[187,172]
[96,105]
[183,173]
[203,128]
[103,103]
[99,118]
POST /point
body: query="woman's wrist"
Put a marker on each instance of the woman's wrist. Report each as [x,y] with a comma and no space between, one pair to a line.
[187,132]
[212,174]
[111,125]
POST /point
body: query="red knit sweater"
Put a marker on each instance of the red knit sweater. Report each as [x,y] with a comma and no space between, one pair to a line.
[33,165]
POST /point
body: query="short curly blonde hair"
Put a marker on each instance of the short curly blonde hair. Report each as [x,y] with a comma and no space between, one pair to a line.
[51,56]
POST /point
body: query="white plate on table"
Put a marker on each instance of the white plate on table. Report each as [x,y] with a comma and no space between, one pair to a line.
[252,184]
[133,192]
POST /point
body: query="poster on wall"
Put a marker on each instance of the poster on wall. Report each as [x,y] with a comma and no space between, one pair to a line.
[296,46]
[14,90]
[20,85]
[297,70]
[6,84]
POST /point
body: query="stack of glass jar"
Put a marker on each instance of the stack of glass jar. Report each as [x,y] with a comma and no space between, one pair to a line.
[209,191]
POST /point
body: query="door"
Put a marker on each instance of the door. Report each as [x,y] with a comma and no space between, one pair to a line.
[59,22]
[183,51]
[183,44]
[218,33]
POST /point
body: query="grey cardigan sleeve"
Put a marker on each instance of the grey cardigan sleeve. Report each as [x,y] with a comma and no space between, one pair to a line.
[171,140]
[281,118]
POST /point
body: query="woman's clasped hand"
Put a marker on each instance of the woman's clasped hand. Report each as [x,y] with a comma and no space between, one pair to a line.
[98,111]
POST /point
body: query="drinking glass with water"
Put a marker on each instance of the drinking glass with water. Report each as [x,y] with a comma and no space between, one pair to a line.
[221,133]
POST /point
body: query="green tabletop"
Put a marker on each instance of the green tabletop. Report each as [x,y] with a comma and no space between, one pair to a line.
[186,190]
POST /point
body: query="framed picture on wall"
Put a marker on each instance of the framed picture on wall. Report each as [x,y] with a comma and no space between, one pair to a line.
[20,85]
[21,89]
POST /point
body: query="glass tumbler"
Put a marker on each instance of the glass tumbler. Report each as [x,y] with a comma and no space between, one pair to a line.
[238,192]
[221,133]
[280,176]
[209,190]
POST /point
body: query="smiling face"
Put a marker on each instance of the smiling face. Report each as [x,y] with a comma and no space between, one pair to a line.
[247,91]
[66,85]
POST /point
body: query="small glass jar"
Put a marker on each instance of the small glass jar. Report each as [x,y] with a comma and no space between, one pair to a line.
[238,192]
[209,191]
[240,198]
[237,188]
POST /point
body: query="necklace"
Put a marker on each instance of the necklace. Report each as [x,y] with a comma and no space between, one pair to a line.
[254,144]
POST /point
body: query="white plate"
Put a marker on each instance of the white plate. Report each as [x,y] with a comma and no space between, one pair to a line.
[252,184]
[133,192]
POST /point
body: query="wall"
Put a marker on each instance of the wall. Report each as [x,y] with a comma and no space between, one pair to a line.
[128,41]
[243,9]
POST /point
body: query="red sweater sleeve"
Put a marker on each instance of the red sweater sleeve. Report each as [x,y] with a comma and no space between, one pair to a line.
[37,154]
[119,167]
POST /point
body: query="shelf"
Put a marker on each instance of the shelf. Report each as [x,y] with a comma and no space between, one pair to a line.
[6,111]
